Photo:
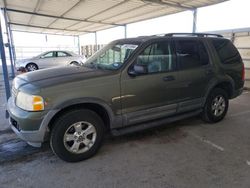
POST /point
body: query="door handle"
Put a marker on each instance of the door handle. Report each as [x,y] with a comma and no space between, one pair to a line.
[168,78]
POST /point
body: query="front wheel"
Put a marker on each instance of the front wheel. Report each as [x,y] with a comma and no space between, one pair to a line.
[31,67]
[77,135]
[216,106]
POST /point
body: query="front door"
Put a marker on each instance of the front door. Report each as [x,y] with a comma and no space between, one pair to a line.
[151,94]
[46,60]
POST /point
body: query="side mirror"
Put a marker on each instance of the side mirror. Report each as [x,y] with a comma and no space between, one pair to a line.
[137,70]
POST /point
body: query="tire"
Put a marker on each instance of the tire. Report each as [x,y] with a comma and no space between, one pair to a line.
[66,135]
[216,106]
[31,67]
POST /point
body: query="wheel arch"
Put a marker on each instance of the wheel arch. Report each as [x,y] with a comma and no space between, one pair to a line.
[102,109]
[226,84]
[74,62]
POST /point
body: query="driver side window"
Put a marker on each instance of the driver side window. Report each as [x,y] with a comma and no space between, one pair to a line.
[48,55]
[157,57]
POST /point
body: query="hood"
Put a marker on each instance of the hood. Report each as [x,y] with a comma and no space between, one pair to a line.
[25,60]
[58,75]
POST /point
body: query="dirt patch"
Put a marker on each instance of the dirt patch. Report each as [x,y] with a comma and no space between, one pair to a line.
[16,150]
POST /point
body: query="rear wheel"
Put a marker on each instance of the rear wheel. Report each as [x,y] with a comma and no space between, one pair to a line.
[77,135]
[216,106]
[31,67]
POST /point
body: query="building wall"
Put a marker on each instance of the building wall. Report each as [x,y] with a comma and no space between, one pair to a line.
[241,40]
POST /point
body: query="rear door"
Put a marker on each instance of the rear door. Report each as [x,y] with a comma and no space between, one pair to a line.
[62,58]
[154,94]
[195,72]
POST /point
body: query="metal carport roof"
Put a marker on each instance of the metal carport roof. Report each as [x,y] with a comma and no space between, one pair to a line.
[77,17]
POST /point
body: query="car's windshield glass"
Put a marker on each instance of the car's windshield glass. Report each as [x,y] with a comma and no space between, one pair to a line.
[111,57]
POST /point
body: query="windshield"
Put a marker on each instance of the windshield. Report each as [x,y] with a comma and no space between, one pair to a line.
[111,57]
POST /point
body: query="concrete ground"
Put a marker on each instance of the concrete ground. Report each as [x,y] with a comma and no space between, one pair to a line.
[188,153]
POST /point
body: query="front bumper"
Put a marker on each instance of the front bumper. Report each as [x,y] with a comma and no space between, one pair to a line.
[27,125]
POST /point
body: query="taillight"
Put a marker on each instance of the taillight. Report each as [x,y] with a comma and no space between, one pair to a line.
[243,72]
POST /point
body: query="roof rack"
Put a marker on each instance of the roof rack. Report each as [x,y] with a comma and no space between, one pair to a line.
[193,34]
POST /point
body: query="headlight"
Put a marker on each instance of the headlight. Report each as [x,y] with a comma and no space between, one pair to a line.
[29,102]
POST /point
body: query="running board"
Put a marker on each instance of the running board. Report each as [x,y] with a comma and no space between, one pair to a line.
[152,124]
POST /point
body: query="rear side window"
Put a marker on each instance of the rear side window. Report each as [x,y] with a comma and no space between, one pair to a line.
[62,54]
[191,54]
[227,52]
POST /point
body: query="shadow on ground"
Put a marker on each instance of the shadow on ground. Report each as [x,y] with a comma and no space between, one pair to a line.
[15,150]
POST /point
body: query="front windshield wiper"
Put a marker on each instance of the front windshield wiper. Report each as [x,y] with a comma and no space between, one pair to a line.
[95,66]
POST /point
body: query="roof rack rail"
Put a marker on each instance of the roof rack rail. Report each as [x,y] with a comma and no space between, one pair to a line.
[193,34]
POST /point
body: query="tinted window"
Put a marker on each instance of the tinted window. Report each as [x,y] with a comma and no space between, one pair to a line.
[62,54]
[227,52]
[157,57]
[191,54]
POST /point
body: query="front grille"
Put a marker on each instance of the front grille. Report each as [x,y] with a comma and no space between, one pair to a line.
[14,92]
[15,124]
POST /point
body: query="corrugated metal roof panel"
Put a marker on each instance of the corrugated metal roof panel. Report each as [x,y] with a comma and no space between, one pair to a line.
[78,16]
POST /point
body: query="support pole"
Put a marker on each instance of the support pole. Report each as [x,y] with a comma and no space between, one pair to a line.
[96,41]
[9,45]
[79,46]
[125,30]
[4,65]
[194,20]
[12,44]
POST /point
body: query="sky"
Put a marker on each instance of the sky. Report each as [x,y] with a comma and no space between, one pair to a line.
[227,15]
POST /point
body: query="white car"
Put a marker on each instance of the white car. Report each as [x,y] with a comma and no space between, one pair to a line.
[50,59]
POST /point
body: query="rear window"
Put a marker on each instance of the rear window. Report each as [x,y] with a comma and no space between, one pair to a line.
[227,52]
[191,54]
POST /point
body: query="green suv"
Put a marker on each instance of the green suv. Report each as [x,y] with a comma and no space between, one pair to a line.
[129,85]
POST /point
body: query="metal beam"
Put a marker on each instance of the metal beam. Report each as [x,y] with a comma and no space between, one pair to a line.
[77,3]
[60,17]
[105,10]
[4,65]
[96,41]
[12,44]
[110,8]
[42,27]
[125,31]
[16,30]
[194,20]
[170,4]
[134,16]
[98,13]
[38,4]
[79,45]
[9,45]
[127,11]
[10,32]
